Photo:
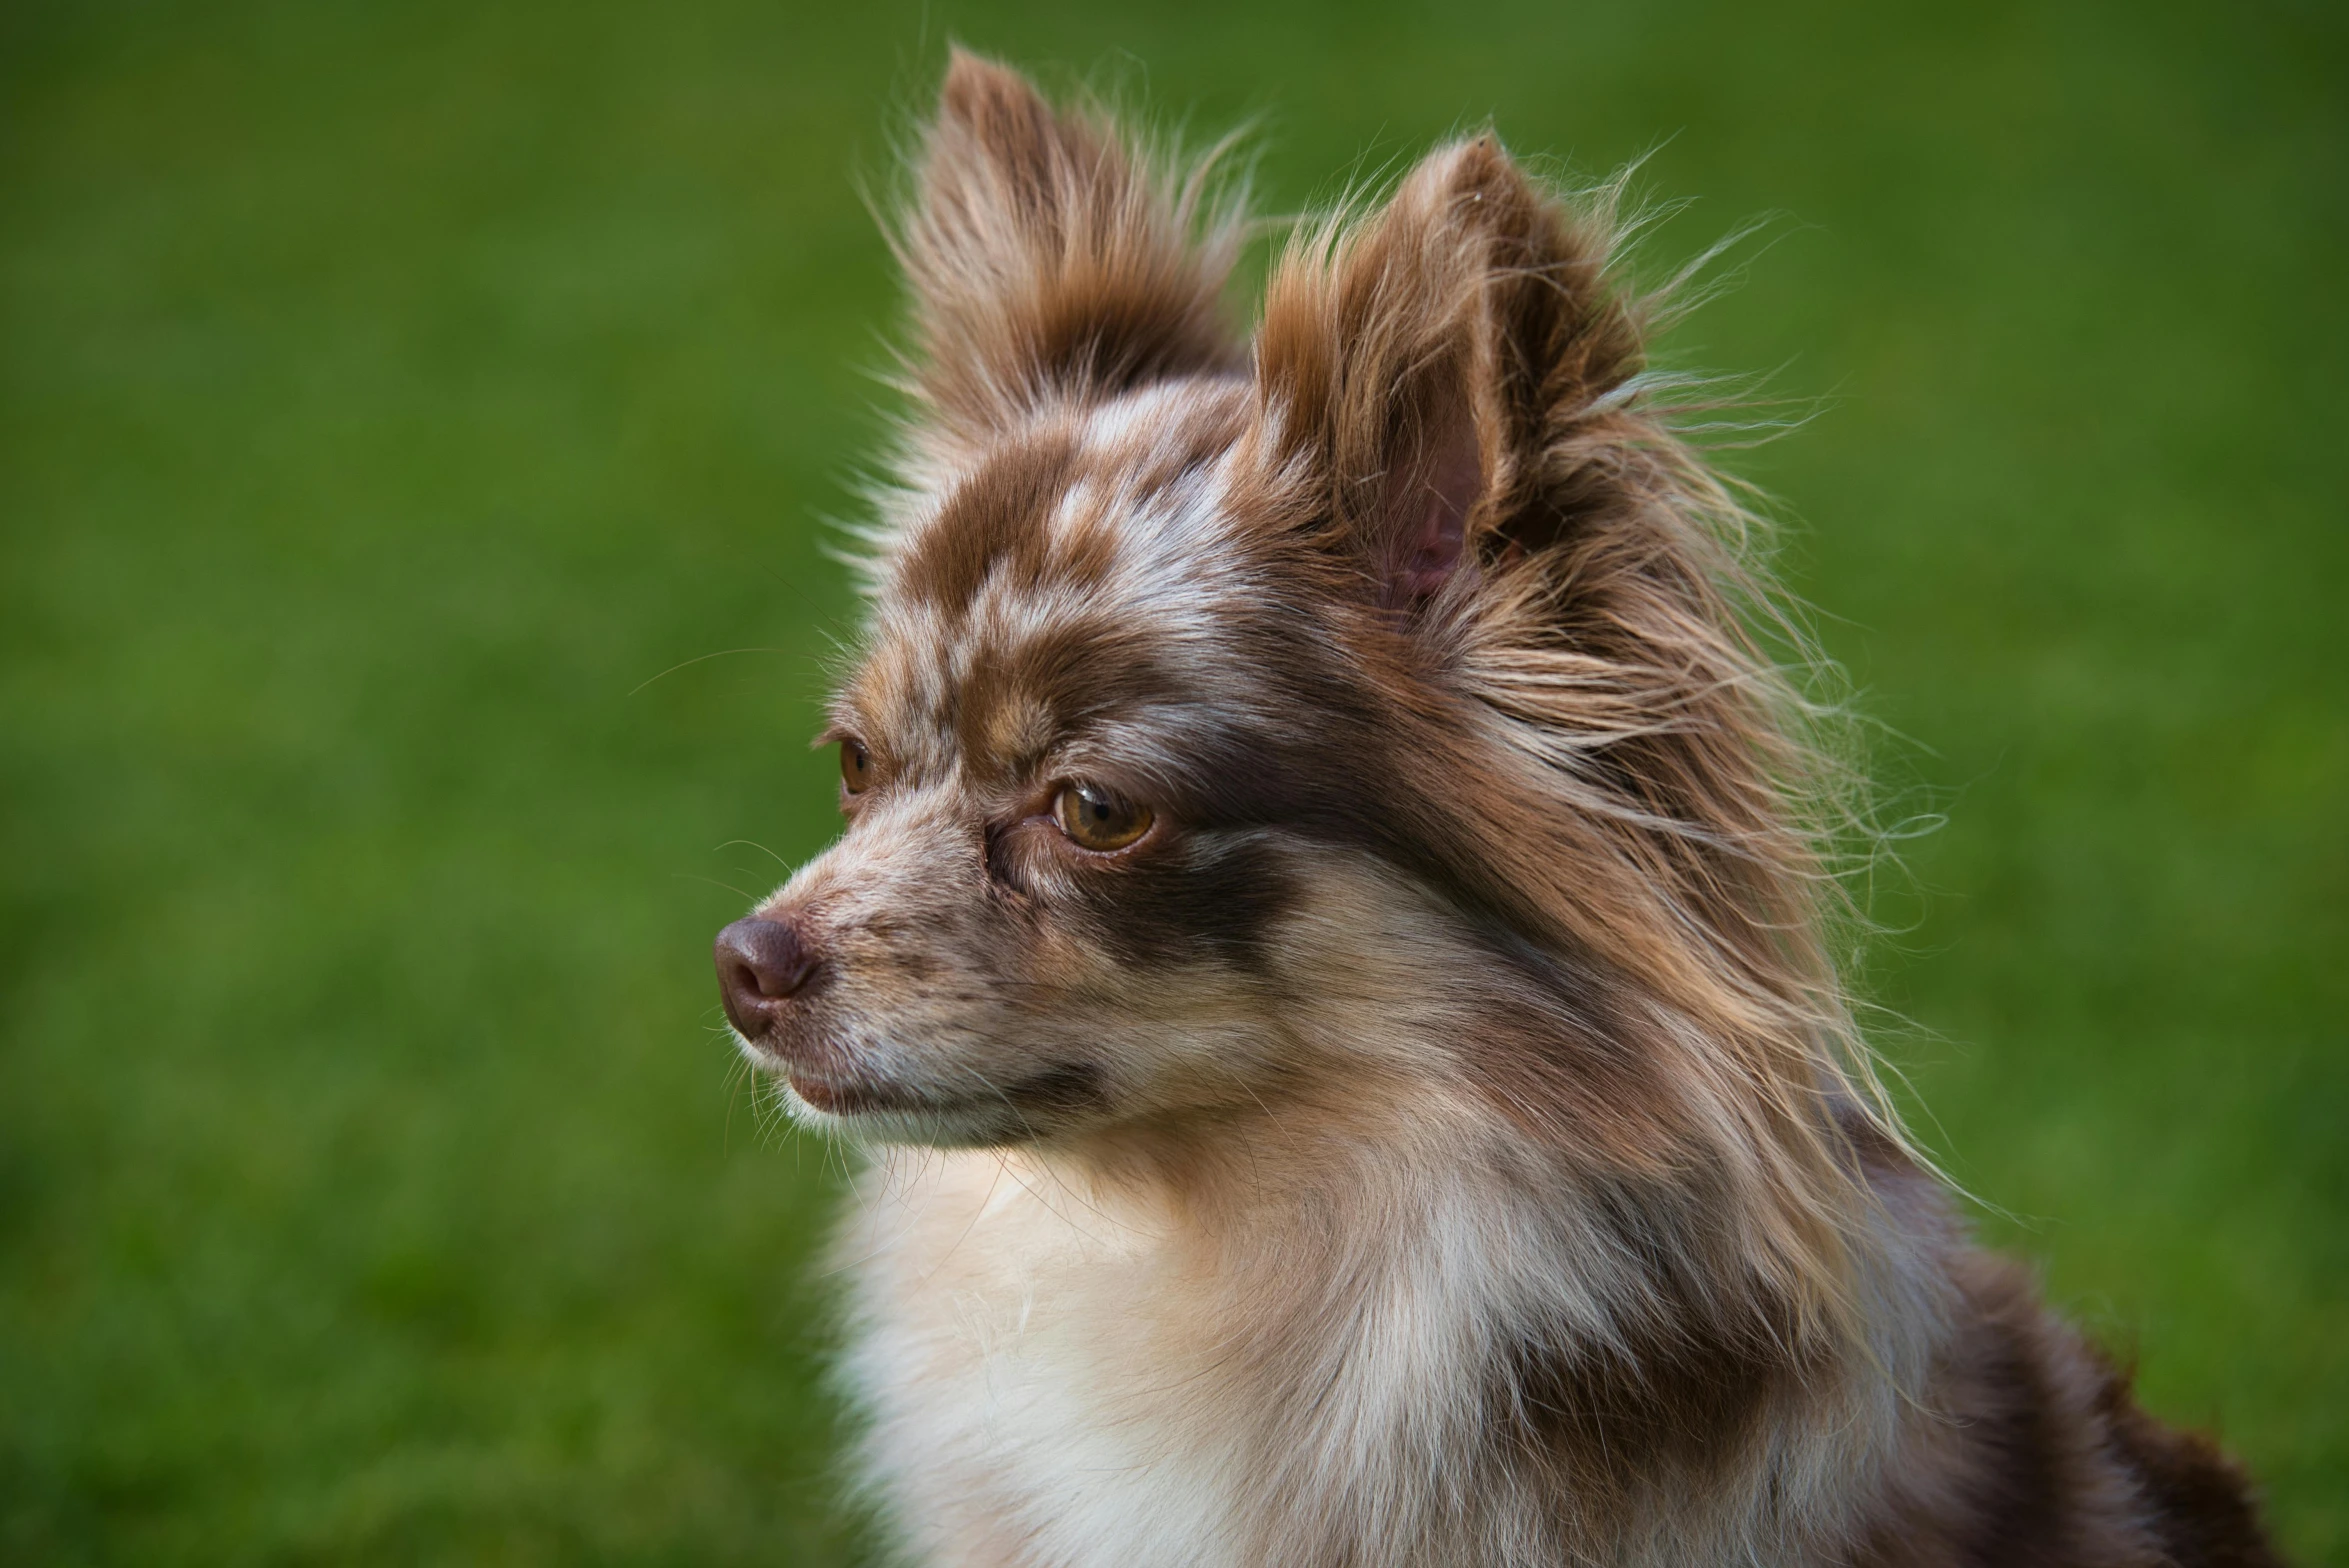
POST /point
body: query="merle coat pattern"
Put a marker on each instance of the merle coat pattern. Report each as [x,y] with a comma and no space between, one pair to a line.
[1328,950]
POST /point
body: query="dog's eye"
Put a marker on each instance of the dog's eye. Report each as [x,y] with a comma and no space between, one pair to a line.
[1099,820]
[856,766]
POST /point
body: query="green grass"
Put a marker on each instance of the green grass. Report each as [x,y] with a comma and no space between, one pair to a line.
[392,399]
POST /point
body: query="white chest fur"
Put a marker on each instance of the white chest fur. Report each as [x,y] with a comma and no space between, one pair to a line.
[1065,1378]
[1027,1356]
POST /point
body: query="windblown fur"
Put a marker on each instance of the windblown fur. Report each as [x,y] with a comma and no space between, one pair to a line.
[1439,1137]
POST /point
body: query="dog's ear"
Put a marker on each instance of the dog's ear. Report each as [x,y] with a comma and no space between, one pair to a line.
[1427,365]
[1050,260]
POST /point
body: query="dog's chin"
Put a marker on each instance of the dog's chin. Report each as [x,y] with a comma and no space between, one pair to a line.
[934,1126]
[872,1108]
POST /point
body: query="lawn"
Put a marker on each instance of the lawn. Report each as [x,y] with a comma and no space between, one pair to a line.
[418,429]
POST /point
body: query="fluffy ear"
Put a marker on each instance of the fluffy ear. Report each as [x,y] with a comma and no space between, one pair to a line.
[1423,365]
[1049,260]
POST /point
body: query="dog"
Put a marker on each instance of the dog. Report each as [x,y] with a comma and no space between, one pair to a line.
[1330,949]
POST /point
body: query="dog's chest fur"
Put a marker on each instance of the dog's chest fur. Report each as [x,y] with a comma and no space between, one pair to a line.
[1057,1376]
[1030,1365]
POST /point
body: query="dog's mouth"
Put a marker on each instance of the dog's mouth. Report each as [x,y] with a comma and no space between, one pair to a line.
[838,1088]
[910,1095]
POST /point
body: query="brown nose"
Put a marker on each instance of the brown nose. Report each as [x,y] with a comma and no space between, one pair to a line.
[762,964]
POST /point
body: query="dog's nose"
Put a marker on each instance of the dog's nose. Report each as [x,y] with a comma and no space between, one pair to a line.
[762,964]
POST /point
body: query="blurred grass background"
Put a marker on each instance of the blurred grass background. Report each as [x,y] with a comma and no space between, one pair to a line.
[392,397]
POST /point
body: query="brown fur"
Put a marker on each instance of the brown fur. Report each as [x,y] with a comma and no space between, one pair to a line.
[1442,1137]
[1045,261]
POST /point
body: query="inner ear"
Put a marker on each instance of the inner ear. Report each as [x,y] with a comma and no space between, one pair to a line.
[1431,493]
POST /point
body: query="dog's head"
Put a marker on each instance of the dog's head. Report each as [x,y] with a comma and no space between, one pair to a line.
[1353,706]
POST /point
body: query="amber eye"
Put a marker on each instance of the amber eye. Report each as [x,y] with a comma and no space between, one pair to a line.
[856,766]
[1099,820]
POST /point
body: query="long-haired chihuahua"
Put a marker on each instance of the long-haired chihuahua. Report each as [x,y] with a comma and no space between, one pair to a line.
[1330,953]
